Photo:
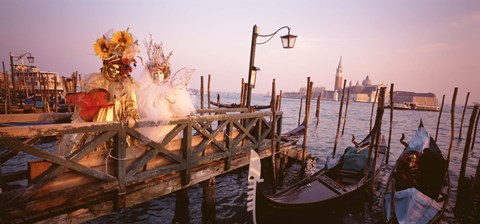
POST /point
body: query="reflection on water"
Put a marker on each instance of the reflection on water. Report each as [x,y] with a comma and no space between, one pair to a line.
[231,188]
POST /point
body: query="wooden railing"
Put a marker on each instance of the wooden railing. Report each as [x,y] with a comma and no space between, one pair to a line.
[116,160]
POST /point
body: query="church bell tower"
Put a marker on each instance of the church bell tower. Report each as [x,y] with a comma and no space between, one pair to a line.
[339,76]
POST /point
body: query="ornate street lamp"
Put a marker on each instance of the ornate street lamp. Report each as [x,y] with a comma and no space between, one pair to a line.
[288,41]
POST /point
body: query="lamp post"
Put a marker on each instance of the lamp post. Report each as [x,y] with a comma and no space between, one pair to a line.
[30,59]
[288,41]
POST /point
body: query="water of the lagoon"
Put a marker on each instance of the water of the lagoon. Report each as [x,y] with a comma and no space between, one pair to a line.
[231,188]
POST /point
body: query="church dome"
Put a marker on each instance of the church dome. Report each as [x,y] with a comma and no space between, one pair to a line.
[367,82]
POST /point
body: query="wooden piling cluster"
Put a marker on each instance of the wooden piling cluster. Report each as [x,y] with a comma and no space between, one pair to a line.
[307,113]
[468,187]
[38,86]
[129,174]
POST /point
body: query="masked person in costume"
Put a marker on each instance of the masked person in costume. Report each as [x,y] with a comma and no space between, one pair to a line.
[161,95]
[110,94]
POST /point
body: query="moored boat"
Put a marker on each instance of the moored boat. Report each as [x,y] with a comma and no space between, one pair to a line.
[331,186]
[419,181]
[235,105]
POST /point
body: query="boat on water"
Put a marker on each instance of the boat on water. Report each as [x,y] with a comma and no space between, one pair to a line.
[419,181]
[235,105]
[333,185]
[399,106]
[294,135]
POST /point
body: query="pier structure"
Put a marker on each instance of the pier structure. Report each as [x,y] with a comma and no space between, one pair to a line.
[119,167]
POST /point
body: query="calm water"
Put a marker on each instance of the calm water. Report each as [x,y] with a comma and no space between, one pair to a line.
[231,188]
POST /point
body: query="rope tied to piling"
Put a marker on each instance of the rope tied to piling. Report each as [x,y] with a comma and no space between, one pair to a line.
[109,155]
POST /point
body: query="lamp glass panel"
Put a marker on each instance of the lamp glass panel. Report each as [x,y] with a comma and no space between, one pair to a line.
[253,78]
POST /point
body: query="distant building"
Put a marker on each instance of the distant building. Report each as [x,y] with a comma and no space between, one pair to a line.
[420,101]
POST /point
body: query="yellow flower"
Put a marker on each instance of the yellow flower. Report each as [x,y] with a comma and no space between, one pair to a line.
[122,38]
[102,48]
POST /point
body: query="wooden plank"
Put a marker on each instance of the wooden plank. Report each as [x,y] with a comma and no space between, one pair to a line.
[34,117]
[157,148]
[56,129]
[56,159]
[245,131]
[95,160]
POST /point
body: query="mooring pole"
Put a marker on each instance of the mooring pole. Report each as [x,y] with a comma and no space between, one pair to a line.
[209,211]
[279,101]
[201,93]
[307,113]
[463,115]
[272,133]
[55,93]
[242,89]
[373,106]
[317,111]
[439,116]
[300,110]
[466,151]
[387,156]
[475,132]
[452,126]
[339,118]
[181,207]
[378,123]
[208,91]
[218,100]
[6,86]
[346,107]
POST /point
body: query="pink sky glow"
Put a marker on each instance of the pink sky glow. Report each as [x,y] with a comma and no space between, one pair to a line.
[421,46]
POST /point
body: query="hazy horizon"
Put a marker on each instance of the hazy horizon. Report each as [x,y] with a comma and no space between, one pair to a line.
[420,46]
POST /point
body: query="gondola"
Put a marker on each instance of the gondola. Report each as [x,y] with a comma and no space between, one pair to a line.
[419,181]
[294,135]
[331,186]
[235,105]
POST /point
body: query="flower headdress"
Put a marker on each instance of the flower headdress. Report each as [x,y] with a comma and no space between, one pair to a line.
[157,64]
[118,54]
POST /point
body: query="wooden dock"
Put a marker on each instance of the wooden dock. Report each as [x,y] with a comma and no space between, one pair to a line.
[96,180]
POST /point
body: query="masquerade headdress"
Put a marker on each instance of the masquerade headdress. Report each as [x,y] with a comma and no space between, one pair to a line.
[118,54]
[157,64]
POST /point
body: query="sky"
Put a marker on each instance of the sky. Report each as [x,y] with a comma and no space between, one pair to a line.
[419,45]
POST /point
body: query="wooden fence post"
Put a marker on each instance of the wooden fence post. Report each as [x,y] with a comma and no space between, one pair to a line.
[120,153]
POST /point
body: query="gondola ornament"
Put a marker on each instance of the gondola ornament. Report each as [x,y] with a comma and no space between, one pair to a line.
[254,171]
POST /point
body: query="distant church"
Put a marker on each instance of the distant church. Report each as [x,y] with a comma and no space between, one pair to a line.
[358,93]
